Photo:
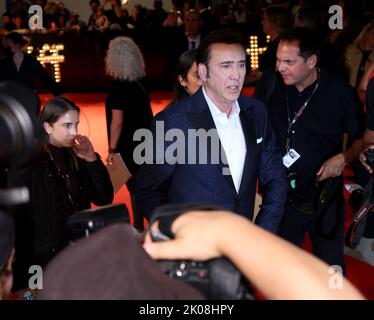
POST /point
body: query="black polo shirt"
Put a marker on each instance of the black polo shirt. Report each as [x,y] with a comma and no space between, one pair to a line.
[318,133]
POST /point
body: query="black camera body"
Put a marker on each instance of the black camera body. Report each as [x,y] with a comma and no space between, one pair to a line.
[369,155]
[216,279]
[83,223]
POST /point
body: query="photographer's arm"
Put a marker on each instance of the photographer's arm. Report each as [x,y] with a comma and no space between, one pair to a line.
[277,268]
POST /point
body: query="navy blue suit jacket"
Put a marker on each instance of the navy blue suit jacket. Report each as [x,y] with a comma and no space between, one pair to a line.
[159,184]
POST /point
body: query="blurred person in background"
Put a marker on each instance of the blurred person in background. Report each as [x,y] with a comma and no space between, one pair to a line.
[188,80]
[23,68]
[127,106]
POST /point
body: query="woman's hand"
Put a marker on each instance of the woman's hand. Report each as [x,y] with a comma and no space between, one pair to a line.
[83,148]
[109,159]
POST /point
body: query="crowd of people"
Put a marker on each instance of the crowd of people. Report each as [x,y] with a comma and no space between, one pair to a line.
[290,142]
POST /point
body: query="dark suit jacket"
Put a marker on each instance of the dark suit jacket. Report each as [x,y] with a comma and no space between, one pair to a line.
[158,184]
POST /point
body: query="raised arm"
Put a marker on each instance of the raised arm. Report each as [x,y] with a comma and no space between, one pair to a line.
[277,268]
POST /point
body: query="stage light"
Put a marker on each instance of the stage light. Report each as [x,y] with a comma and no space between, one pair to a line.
[50,54]
[254,51]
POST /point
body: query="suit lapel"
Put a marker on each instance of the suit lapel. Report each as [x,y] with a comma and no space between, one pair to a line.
[249,131]
[202,119]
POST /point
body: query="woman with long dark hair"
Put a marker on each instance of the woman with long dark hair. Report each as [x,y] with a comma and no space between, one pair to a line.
[188,81]
[68,176]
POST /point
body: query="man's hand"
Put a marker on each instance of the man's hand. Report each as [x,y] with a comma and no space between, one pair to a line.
[83,148]
[333,167]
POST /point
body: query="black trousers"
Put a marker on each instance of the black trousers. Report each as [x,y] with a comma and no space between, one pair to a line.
[329,249]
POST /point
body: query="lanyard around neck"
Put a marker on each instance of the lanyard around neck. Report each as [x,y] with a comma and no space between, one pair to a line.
[297,114]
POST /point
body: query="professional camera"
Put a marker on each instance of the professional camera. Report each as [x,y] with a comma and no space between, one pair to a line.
[21,135]
[216,279]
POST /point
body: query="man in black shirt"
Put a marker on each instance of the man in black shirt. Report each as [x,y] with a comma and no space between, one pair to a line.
[310,110]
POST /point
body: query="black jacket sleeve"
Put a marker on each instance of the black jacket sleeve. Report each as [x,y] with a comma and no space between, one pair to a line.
[101,188]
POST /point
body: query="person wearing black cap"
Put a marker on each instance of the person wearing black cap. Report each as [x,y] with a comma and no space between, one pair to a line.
[6,254]
[110,265]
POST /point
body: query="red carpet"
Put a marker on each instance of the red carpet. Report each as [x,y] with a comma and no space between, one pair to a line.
[93,124]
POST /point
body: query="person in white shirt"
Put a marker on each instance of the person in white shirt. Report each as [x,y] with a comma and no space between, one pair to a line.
[234,146]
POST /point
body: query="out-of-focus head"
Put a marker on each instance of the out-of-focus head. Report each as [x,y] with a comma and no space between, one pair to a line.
[15,41]
[94,5]
[188,80]
[274,19]
[124,60]
[366,36]
[7,17]
[60,119]
[193,23]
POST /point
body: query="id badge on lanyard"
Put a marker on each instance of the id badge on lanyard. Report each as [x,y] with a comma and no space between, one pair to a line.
[290,158]
[292,155]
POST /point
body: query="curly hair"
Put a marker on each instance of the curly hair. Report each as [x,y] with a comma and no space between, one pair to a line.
[124,60]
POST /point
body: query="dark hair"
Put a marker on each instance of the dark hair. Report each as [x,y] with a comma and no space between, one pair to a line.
[227,36]
[7,14]
[313,18]
[55,108]
[278,16]
[307,40]
[16,38]
[185,61]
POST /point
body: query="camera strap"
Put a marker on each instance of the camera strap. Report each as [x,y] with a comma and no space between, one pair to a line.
[330,192]
[356,228]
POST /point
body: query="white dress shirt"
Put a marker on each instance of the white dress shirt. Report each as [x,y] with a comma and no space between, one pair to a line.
[231,135]
[196,40]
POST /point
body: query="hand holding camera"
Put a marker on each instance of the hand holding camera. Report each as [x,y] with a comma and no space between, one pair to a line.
[193,250]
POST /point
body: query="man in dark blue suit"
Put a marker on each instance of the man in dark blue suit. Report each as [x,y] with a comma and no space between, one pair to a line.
[214,146]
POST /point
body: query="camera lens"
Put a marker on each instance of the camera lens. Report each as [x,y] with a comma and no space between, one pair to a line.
[21,135]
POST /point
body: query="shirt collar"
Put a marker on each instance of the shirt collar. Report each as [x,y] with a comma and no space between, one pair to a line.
[217,112]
